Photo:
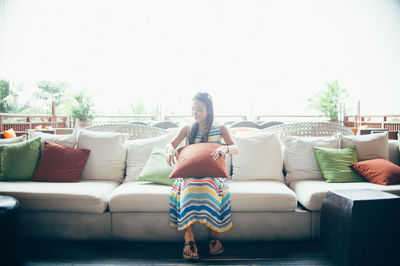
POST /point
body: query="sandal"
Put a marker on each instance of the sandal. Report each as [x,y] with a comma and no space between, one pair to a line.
[187,256]
[213,242]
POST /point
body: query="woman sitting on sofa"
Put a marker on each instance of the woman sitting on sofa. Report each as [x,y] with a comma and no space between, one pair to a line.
[186,208]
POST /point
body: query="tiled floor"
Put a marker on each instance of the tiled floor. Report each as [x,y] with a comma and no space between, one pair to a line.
[162,253]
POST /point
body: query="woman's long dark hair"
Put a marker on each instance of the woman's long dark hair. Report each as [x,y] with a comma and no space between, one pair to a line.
[207,100]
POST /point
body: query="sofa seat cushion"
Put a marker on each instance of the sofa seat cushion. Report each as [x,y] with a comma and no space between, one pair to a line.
[311,193]
[84,196]
[258,195]
[261,195]
[140,196]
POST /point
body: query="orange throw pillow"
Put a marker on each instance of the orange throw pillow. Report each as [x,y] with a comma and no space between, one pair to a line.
[379,171]
[196,160]
[60,163]
[9,134]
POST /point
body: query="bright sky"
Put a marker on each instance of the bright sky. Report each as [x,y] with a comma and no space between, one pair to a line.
[253,57]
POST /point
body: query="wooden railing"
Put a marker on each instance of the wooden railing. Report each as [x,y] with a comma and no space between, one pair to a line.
[23,122]
[122,118]
[366,120]
[216,117]
[292,118]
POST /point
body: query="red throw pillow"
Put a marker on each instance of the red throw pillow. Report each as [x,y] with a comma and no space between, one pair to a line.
[60,164]
[379,171]
[196,160]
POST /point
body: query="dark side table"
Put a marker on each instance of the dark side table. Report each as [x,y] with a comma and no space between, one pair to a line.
[361,227]
[9,237]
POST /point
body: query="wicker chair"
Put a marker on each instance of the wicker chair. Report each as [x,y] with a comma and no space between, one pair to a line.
[135,131]
[166,125]
[309,129]
[245,123]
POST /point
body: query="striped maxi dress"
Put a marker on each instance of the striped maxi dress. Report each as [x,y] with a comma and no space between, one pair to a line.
[203,200]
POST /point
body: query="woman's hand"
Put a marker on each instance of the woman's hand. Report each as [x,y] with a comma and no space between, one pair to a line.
[172,154]
[219,152]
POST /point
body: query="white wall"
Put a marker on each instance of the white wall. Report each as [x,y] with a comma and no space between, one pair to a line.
[264,57]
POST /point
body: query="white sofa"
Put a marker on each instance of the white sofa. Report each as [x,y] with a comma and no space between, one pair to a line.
[263,209]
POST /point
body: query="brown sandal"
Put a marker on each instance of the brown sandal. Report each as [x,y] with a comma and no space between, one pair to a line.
[187,256]
[213,242]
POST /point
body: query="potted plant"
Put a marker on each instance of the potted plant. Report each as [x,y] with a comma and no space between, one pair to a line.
[328,101]
[82,109]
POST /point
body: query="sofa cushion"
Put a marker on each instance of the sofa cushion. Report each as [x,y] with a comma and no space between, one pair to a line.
[140,196]
[59,163]
[259,157]
[68,140]
[259,195]
[196,160]
[335,164]
[107,155]
[157,169]
[83,196]
[311,193]
[369,146]
[13,140]
[138,152]
[18,161]
[378,171]
[394,151]
[299,158]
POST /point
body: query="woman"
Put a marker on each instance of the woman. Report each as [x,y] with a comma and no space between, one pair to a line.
[203,200]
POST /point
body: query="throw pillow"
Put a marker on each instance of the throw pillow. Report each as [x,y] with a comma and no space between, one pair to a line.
[138,152]
[299,158]
[259,157]
[335,164]
[196,160]
[156,169]
[13,140]
[60,163]
[18,160]
[379,171]
[68,140]
[243,131]
[9,134]
[107,155]
[369,146]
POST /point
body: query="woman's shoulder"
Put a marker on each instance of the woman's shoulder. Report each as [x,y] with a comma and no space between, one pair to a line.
[217,127]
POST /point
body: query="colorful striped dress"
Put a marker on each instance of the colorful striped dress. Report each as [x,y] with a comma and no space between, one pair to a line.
[203,200]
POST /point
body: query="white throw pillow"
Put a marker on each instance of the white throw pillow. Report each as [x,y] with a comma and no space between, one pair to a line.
[259,157]
[299,158]
[138,152]
[13,140]
[369,146]
[107,155]
[68,140]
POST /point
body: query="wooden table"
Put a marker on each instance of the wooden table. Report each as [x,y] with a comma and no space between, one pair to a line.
[361,227]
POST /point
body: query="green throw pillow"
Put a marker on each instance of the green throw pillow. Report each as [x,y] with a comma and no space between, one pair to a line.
[156,169]
[335,164]
[18,161]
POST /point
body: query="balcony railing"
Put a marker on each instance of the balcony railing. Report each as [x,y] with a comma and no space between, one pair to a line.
[368,120]
[23,122]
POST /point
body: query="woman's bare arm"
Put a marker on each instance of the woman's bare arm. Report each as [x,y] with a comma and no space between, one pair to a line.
[181,135]
[227,138]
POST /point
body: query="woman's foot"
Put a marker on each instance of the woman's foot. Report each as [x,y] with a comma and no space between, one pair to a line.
[215,246]
[190,248]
